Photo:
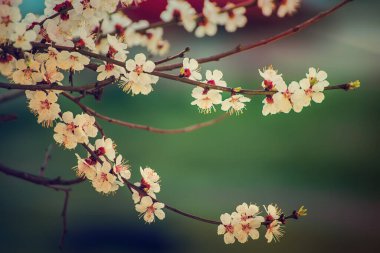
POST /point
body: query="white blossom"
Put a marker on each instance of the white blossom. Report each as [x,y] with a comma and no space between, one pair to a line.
[288,7]
[150,210]
[235,104]
[190,69]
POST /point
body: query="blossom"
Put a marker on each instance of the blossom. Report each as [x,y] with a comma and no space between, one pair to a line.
[317,77]
[150,210]
[9,16]
[288,7]
[266,6]
[285,95]
[68,132]
[44,104]
[50,57]
[87,124]
[28,71]
[108,70]
[207,24]
[149,181]
[117,49]
[21,37]
[85,167]
[104,180]
[105,148]
[235,104]
[180,11]
[121,169]
[274,231]
[190,69]
[227,228]
[205,98]
[273,212]
[7,64]
[73,61]
[136,196]
[309,92]
[234,18]
[50,74]
[271,80]
[138,80]
[248,229]
[87,8]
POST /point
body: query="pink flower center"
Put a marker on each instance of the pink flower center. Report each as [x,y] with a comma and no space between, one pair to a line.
[144,184]
[45,104]
[139,69]
[71,127]
[100,151]
[119,29]
[203,21]
[111,52]
[5,20]
[269,99]
[28,73]
[309,92]
[103,177]
[268,85]
[229,228]
[118,168]
[109,67]
[176,14]
[186,73]
[5,58]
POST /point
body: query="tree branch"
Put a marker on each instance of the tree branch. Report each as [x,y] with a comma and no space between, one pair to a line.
[39,180]
[144,127]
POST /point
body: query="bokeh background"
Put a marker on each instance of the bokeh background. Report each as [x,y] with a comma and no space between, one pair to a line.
[326,158]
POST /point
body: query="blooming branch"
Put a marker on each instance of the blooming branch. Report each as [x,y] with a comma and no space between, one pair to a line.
[72,35]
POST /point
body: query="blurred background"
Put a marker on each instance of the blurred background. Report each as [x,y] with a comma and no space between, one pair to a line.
[325,158]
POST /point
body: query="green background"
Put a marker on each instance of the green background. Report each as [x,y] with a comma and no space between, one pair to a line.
[325,158]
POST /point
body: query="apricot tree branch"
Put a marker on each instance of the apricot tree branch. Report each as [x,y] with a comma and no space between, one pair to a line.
[144,127]
[39,180]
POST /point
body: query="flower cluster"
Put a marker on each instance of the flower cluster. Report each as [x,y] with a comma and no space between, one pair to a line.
[296,95]
[145,194]
[283,98]
[245,222]
[104,168]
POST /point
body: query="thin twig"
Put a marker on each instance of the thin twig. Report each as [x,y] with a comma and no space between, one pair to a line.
[170,58]
[47,157]
[7,117]
[39,180]
[64,218]
[144,127]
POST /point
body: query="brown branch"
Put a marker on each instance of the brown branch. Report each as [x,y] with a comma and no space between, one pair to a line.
[64,218]
[82,89]
[239,48]
[185,80]
[39,180]
[144,127]
[7,117]
[170,58]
